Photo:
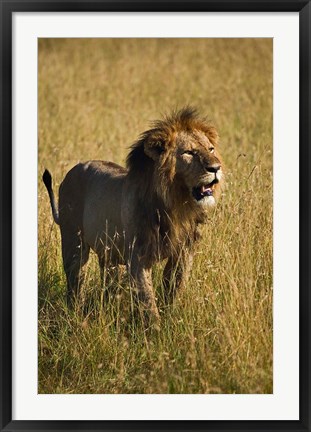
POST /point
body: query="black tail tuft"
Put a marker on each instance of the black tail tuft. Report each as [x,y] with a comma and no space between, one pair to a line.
[47,179]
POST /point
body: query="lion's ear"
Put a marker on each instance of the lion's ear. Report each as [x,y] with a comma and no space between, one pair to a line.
[154,149]
[212,135]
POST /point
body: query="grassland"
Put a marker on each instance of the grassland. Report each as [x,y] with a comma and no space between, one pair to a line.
[95,97]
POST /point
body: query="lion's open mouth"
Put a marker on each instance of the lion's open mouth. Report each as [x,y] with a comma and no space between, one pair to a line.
[204,190]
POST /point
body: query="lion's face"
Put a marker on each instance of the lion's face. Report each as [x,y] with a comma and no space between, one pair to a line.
[180,155]
[198,165]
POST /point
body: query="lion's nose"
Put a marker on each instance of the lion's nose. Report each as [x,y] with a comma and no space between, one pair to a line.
[213,168]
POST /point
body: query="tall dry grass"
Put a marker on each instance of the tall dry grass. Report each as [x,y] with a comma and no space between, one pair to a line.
[95,97]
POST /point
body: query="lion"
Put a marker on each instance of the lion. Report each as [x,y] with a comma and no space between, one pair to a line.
[145,213]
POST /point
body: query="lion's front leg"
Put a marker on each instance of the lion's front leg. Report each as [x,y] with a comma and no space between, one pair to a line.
[176,274]
[144,289]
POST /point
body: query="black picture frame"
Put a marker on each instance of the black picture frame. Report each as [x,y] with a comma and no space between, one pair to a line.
[7,8]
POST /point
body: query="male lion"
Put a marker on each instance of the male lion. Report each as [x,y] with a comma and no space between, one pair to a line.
[145,213]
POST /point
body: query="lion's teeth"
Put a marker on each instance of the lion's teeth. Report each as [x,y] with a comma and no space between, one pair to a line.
[206,190]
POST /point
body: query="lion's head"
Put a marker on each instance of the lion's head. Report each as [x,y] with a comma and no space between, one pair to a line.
[180,159]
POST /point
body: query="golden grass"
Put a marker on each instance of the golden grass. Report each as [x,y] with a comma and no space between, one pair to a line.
[95,97]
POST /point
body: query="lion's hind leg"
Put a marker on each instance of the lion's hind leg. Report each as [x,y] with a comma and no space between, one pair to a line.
[75,255]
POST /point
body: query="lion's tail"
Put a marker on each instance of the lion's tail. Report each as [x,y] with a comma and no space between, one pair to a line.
[47,180]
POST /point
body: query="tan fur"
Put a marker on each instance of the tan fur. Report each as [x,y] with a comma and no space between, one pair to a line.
[145,213]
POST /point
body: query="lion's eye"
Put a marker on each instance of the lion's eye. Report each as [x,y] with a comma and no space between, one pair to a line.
[189,152]
[211,149]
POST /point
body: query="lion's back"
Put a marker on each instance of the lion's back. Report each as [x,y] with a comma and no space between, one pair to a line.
[86,178]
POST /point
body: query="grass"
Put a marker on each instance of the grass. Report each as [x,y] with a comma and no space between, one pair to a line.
[95,97]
